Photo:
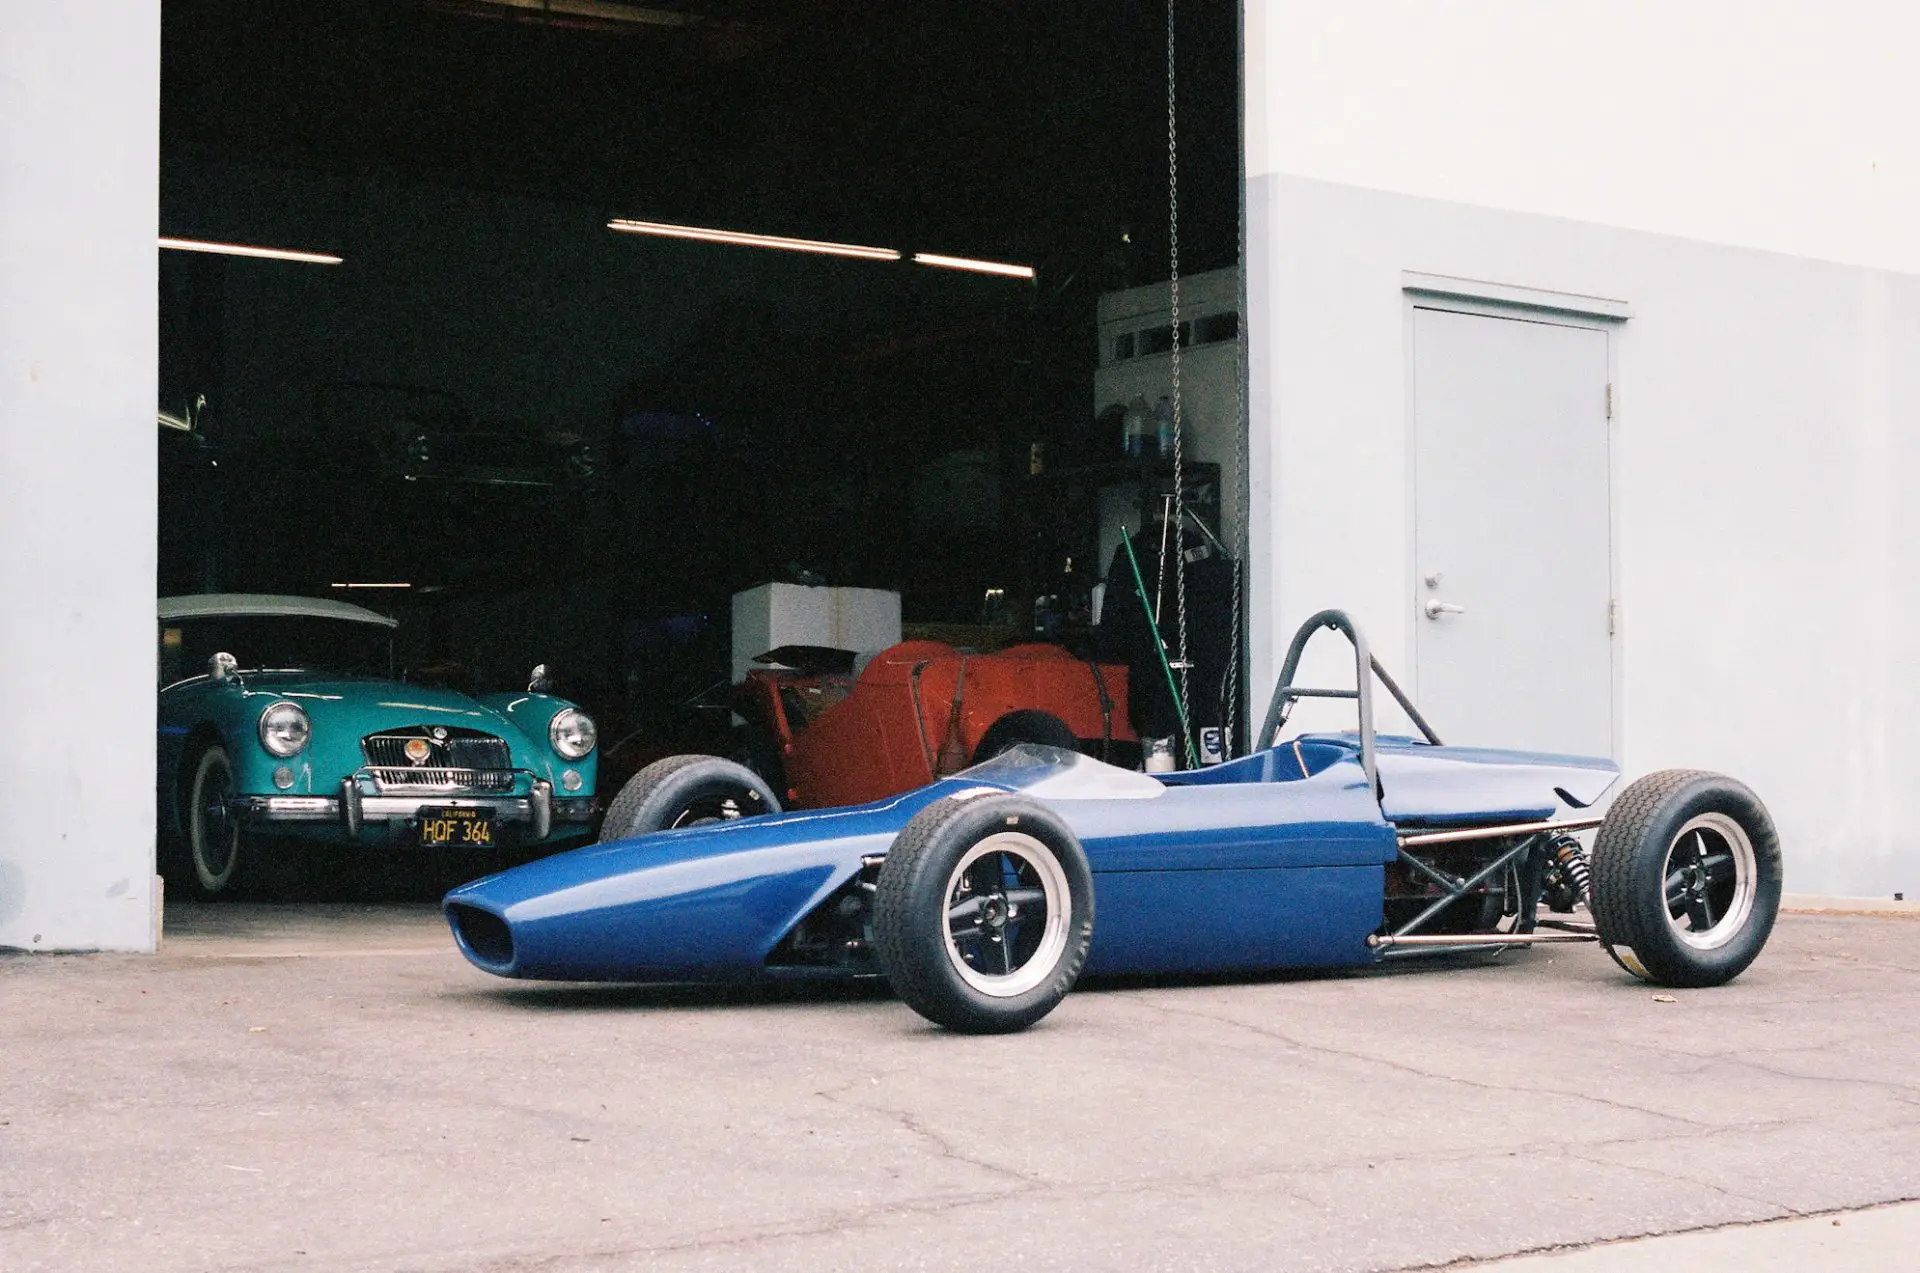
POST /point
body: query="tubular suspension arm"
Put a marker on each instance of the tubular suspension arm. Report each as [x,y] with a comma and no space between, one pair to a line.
[1465,886]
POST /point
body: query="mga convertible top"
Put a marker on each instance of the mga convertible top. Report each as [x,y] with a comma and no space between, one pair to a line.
[216,605]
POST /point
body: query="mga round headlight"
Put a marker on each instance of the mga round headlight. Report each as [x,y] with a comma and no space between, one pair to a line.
[573,733]
[284,729]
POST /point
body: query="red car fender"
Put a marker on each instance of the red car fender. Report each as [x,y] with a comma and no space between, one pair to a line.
[884,731]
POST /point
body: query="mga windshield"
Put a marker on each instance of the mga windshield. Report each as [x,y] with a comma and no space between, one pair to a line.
[1052,773]
[334,646]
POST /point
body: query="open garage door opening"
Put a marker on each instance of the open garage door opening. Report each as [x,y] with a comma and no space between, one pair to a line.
[639,341]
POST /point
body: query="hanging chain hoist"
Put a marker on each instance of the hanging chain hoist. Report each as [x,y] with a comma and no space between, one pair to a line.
[1181,661]
[1174,505]
[1242,499]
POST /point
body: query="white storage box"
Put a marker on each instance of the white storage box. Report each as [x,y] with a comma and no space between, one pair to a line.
[864,620]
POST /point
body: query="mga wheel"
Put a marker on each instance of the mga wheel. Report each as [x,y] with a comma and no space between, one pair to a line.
[983,913]
[686,791]
[1686,878]
[215,840]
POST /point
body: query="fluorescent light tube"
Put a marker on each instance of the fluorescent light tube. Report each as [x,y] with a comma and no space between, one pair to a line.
[967,263]
[372,585]
[738,238]
[242,249]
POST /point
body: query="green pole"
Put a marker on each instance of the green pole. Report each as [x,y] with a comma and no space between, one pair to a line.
[1160,647]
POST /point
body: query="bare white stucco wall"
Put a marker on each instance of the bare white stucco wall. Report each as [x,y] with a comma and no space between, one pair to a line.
[1765,438]
[1787,125]
[79,168]
[1747,178]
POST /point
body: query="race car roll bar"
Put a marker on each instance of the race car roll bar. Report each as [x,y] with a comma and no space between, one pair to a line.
[1365,668]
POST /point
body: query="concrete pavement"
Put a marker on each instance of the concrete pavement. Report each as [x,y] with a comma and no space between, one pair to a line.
[1871,1241]
[333,1088]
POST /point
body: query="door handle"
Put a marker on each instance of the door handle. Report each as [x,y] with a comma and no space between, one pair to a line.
[1436,607]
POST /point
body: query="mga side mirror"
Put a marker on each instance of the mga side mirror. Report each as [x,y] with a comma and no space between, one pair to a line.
[541,681]
[221,666]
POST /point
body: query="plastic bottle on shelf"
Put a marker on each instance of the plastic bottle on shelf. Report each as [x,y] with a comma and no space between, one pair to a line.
[1163,426]
[1135,427]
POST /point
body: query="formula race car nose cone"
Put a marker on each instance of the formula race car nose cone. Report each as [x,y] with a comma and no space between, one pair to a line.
[418,750]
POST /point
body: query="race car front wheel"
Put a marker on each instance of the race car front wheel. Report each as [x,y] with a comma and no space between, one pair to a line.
[983,913]
[686,791]
[1686,878]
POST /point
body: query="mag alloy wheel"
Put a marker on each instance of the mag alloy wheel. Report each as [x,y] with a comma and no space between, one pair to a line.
[686,791]
[983,912]
[1007,915]
[1710,879]
[1686,878]
[716,808]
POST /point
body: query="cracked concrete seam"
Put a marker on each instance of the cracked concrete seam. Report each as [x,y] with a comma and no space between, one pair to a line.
[945,1148]
[1784,1209]
[879,1215]
[1405,1068]
[845,1222]
[1561,1248]
[1905,1091]
[842,1222]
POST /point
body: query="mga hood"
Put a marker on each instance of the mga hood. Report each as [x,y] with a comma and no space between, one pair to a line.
[346,709]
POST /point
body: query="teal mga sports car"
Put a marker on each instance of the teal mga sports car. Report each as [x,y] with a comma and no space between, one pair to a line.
[281,721]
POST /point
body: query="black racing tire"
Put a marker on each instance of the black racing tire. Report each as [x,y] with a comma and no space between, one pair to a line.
[1686,878]
[1028,725]
[928,879]
[756,747]
[684,791]
[211,859]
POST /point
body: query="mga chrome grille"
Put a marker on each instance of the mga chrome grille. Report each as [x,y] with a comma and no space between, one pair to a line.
[432,778]
[456,760]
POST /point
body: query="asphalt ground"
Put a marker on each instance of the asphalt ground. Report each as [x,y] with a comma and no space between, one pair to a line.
[330,1087]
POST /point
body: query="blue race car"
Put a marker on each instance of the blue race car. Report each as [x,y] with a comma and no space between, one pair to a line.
[976,896]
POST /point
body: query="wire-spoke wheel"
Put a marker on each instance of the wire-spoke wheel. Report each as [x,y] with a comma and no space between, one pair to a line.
[983,913]
[215,838]
[1686,878]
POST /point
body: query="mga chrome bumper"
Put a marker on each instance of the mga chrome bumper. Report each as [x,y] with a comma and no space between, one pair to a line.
[538,811]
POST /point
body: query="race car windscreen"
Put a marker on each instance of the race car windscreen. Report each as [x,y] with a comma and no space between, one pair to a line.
[1052,773]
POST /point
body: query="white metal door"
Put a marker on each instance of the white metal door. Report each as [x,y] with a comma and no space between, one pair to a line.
[1513,547]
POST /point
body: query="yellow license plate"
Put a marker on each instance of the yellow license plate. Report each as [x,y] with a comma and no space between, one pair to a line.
[456,828]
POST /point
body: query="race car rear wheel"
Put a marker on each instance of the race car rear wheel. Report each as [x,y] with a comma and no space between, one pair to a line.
[1686,878]
[1025,726]
[983,913]
[686,791]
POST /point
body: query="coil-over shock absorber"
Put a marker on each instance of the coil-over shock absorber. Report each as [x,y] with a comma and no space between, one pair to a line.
[1565,882]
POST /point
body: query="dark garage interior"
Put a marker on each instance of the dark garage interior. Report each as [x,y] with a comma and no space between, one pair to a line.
[535,438]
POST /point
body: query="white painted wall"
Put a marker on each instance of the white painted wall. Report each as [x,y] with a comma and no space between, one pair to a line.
[1788,125]
[79,167]
[1769,423]
[1767,437]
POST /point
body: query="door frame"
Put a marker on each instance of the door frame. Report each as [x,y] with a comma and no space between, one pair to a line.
[1529,305]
